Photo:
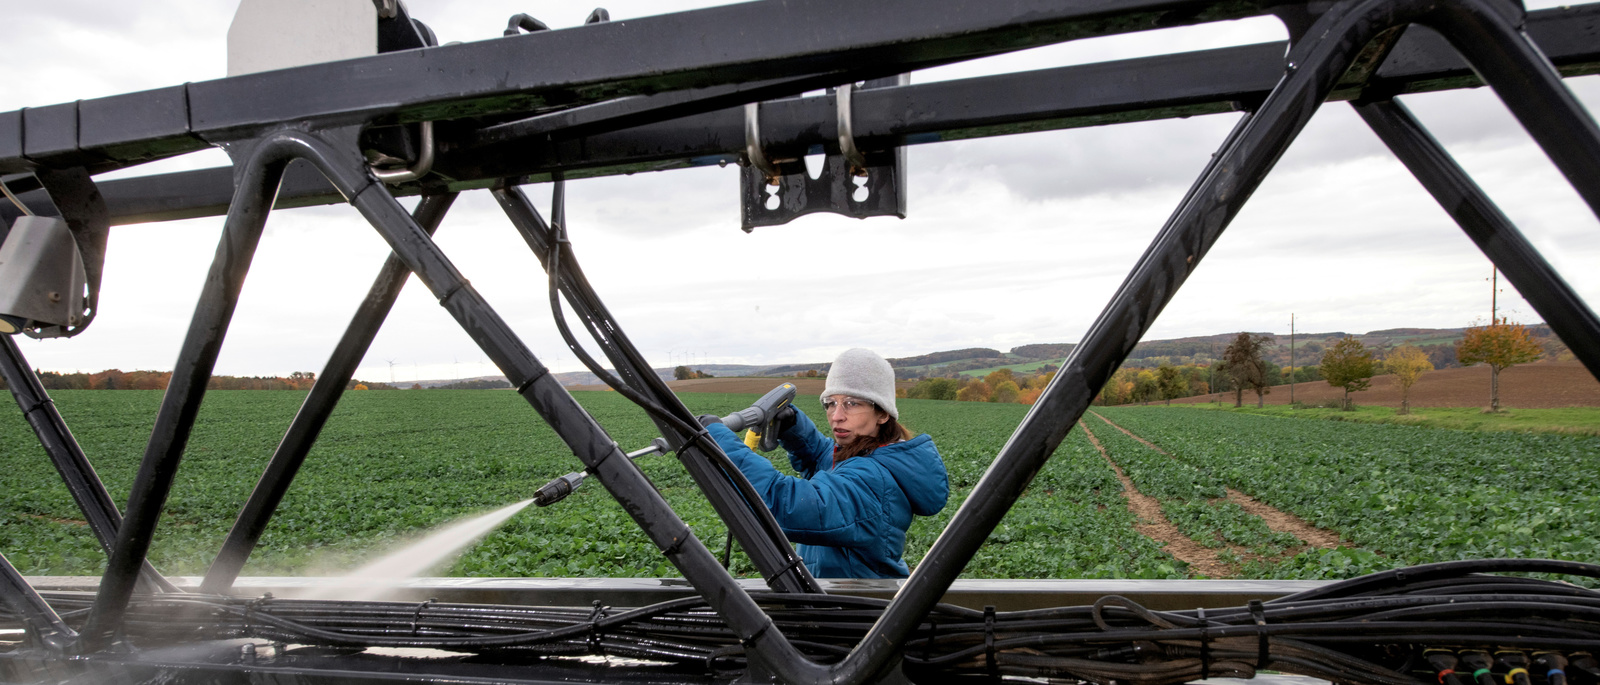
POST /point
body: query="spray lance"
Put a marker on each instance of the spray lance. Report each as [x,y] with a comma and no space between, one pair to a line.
[763,419]
[558,489]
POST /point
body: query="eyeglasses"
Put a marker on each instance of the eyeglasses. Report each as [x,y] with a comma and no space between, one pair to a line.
[851,405]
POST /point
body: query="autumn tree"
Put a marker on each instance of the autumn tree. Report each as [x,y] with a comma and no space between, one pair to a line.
[1500,345]
[934,389]
[1006,392]
[1407,363]
[1171,383]
[1242,360]
[682,373]
[1347,365]
[974,391]
[999,376]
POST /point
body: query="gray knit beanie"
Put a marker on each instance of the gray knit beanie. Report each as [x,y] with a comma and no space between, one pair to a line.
[862,373]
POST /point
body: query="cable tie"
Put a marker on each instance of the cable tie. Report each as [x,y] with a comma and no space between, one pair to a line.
[41,404]
[988,641]
[793,562]
[1512,674]
[250,608]
[416,616]
[1554,672]
[1445,672]
[677,543]
[1205,643]
[1476,674]
[1259,613]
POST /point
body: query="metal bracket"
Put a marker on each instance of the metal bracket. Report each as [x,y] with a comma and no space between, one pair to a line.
[72,196]
[791,192]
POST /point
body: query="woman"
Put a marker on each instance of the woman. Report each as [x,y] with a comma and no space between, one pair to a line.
[857,492]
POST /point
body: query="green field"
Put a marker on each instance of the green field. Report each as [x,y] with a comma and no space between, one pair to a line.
[1029,367]
[1403,494]
[393,465]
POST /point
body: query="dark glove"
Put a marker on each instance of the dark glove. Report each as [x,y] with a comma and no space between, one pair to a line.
[707,419]
[785,420]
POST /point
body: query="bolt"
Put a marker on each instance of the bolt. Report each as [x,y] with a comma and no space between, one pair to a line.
[53,296]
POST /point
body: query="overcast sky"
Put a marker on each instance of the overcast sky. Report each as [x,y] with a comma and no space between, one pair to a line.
[1009,241]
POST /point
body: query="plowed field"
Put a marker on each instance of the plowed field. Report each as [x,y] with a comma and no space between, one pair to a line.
[1532,386]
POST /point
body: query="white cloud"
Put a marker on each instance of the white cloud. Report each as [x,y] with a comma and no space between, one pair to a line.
[1010,240]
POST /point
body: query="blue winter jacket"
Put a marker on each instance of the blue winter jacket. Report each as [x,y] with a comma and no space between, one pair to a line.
[849,519]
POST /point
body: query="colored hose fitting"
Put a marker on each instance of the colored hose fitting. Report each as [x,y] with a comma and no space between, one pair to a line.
[1481,666]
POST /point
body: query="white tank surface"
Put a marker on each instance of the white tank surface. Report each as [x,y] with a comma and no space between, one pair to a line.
[278,34]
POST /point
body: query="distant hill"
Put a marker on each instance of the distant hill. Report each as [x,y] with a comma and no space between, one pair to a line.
[1439,343]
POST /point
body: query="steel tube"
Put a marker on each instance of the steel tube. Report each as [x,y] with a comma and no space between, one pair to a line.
[319,404]
[1528,85]
[751,522]
[258,177]
[1482,220]
[85,486]
[43,624]
[1161,87]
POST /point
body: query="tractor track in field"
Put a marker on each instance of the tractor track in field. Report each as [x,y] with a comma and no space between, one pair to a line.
[1276,519]
[1153,524]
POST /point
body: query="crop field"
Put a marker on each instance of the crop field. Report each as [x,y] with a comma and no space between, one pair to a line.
[1199,493]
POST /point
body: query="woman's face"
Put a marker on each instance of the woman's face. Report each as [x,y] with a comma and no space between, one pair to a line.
[852,417]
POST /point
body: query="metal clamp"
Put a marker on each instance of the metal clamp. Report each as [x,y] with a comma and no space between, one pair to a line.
[423,165]
[856,161]
[752,144]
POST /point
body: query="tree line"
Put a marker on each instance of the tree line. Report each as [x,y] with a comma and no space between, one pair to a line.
[1346,364]
[117,379]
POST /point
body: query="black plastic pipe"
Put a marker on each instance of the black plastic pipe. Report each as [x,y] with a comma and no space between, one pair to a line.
[259,168]
[319,404]
[85,486]
[1501,242]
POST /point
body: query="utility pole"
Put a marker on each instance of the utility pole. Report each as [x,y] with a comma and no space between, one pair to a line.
[1291,360]
[1494,294]
[1211,371]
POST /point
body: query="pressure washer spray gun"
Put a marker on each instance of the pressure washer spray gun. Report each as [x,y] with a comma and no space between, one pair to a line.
[763,419]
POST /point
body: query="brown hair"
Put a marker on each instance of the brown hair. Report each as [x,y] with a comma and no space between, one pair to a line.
[888,432]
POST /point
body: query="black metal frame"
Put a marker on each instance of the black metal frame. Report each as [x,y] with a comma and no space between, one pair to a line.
[1352,49]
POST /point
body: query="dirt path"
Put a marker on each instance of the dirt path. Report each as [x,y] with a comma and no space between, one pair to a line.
[1154,525]
[1276,519]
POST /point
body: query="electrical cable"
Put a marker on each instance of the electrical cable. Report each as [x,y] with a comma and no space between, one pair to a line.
[1363,633]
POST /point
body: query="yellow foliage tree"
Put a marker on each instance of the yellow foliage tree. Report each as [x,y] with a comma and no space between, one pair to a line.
[999,376]
[361,386]
[1407,363]
[974,391]
[1501,345]
[1006,392]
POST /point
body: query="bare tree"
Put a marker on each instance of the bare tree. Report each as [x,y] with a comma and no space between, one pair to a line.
[1244,364]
